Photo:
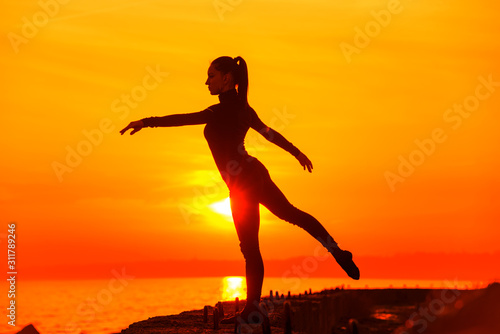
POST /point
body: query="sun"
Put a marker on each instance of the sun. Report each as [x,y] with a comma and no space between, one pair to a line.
[222,207]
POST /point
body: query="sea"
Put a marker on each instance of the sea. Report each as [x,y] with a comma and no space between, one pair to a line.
[110,305]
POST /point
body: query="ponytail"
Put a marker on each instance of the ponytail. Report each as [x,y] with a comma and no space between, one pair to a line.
[238,68]
[242,79]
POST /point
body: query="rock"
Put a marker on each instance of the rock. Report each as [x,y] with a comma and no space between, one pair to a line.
[353,326]
[30,329]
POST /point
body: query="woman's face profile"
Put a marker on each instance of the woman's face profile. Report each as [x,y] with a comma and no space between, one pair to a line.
[217,82]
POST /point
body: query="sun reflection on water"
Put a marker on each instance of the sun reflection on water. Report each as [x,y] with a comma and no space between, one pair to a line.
[232,287]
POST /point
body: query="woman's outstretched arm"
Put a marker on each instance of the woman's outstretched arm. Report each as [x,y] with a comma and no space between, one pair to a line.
[200,117]
[276,138]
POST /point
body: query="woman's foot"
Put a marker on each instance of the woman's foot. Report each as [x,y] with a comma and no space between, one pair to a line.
[344,259]
[252,316]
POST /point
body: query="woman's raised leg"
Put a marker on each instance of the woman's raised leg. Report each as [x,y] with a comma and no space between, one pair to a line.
[274,200]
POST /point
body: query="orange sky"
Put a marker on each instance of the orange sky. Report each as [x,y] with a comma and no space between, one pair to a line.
[355,103]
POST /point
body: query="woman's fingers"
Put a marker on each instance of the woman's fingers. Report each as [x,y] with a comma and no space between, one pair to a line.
[309,166]
[129,126]
[305,162]
[122,131]
[136,126]
[135,130]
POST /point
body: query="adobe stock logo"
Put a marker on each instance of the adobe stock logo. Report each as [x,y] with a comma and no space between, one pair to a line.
[223,6]
[372,29]
[428,146]
[87,311]
[75,154]
[30,27]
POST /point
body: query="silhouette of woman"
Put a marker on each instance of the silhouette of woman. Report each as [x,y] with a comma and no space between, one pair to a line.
[248,180]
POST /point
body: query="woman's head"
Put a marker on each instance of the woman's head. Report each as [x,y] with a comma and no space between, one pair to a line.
[226,73]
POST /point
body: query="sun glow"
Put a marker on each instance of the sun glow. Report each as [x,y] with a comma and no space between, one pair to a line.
[222,207]
[232,287]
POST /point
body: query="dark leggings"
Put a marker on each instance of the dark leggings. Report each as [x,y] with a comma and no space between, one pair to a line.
[251,187]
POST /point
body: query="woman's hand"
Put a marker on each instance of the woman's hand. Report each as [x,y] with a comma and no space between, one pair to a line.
[136,126]
[305,162]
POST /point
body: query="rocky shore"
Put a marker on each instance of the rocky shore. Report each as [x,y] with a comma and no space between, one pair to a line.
[399,311]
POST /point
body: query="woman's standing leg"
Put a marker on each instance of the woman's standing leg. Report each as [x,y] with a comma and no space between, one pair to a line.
[245,211]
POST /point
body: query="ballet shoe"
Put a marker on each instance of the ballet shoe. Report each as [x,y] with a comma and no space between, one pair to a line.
[344,259]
